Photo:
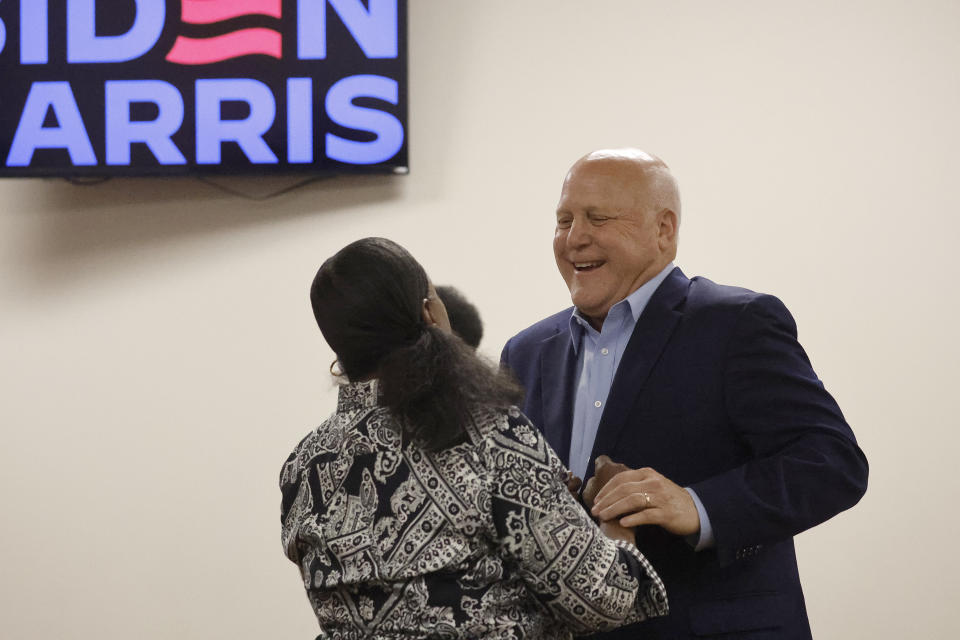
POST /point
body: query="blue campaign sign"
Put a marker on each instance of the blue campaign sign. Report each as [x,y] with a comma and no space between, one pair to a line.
[176,87]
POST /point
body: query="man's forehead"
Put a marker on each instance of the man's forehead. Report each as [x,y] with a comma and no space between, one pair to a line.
[604,175]
[600,190]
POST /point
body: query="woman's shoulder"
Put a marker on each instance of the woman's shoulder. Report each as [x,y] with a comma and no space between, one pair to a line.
[499,427]
[363,431]
[310,446]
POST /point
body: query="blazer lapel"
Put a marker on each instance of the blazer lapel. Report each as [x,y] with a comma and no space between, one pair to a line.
[654,328]
[558,364]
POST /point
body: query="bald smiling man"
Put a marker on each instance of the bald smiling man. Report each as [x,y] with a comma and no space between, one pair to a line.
[715,437]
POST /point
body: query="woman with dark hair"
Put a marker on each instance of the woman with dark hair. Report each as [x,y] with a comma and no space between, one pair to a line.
[427,505]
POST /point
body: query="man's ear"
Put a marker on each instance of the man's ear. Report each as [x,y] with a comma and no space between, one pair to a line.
[668,222]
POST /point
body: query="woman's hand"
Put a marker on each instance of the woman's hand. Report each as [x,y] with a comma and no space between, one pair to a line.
[616,531]
[603,471]
[573,485]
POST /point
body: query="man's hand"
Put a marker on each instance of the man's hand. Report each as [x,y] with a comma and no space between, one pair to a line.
[643,496]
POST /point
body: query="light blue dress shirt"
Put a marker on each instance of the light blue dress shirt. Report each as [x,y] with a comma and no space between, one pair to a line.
[598,356]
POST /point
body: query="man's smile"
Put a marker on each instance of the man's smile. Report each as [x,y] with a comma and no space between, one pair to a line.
[582,267]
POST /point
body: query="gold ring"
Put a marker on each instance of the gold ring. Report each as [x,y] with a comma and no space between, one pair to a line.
[646,497]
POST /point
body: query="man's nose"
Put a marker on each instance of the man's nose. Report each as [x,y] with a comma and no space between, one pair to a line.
[579,234]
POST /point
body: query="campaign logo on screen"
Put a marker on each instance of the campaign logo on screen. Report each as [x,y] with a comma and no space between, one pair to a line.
[104,87]
[234,43]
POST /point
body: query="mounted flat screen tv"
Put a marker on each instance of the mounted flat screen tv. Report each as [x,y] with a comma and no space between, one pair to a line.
[202,87]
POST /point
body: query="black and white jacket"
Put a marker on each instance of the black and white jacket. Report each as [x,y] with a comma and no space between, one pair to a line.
[480,540]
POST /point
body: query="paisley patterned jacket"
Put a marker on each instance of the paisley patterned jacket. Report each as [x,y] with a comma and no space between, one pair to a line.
[481,540]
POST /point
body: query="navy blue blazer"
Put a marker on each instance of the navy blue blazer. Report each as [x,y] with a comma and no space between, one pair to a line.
[714,392]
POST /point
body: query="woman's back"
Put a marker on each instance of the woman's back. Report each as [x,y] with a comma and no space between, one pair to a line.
[477,540]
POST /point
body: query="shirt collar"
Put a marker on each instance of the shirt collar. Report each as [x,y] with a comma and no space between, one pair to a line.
[636,302]
[356,396]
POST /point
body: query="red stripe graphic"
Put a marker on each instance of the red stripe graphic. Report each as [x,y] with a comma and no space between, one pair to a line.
[244,42]
[208,11]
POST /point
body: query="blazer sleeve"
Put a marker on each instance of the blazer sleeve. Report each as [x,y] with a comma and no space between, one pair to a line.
[588,581]
[805,465]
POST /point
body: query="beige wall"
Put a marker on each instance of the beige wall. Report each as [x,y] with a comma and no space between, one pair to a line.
[158,358]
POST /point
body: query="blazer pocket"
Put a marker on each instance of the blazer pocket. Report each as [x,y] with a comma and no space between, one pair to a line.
[748,612]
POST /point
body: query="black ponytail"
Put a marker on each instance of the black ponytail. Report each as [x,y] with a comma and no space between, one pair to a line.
[368,301]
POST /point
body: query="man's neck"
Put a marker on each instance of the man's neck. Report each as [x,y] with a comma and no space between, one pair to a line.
[656,279]
[595,321]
